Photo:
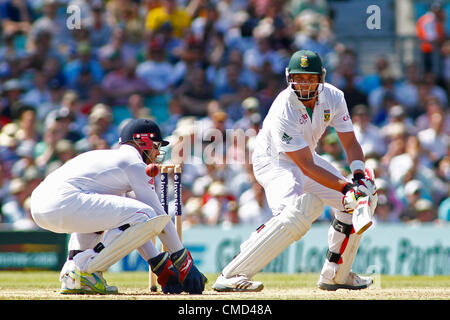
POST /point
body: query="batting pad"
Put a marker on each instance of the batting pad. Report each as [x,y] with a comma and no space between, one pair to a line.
[130,239]
[348,256]
[273,237]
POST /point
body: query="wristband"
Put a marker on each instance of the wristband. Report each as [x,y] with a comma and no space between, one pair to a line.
[357,165]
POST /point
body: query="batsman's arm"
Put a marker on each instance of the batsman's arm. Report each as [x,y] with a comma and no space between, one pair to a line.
[353,151]
[304,160]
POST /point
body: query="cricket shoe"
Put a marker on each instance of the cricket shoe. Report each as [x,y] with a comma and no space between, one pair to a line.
[76,282]
[353,282]
[237,284]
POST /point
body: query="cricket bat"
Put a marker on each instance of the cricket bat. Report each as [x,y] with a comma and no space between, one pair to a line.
[362,215]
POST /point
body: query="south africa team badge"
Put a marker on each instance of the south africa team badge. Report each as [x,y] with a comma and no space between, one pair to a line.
[304,61]
[326,115]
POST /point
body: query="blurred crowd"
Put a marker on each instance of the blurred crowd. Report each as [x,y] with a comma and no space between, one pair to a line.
[204,69]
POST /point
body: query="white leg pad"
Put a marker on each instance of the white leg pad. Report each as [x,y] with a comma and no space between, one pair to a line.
[272,238]
[354,239]
[130,239]
[348,257]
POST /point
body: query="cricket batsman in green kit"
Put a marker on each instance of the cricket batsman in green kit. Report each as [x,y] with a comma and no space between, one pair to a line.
[298,182]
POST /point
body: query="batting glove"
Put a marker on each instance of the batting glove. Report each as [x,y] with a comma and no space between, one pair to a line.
[352,192]
[168,276]
[192,279]
[367,181]
[364,180]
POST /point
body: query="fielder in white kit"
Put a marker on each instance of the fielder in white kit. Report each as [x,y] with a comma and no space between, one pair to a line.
[108,204]
[298,182]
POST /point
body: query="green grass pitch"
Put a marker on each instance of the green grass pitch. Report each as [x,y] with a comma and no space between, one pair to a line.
[44,285]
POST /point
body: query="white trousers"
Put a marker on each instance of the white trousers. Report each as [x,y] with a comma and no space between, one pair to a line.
[66,209]
[283,182]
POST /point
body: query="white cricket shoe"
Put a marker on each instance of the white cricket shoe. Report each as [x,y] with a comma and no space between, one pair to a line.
[237,284]
[76,282]
[353,282]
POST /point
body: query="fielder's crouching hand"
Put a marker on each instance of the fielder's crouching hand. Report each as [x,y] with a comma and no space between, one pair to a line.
[168,276]
[192,280]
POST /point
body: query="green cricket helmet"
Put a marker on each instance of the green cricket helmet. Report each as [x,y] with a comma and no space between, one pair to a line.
[306,62]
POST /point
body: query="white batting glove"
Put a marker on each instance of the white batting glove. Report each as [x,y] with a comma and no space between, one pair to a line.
[352,193]
[369,183]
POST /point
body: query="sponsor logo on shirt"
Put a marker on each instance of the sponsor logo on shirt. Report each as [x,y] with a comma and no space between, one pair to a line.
[346,117]
[304,118]
[285,138]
